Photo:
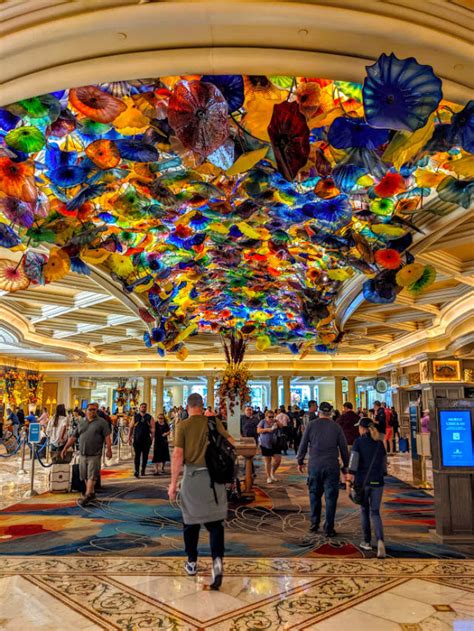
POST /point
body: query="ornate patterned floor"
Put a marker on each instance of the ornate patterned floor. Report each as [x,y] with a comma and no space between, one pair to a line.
[87,593]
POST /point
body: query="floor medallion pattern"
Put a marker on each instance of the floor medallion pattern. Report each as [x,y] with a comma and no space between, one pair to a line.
[92,593]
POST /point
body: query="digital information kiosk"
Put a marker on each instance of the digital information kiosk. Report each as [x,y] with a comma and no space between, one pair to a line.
[452,447]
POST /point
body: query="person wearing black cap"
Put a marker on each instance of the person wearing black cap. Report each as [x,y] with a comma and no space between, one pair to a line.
[325,440]
[368,462]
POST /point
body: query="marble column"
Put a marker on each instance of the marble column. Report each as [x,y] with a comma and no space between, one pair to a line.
[351,391]
[286,391]
[338,393]
[160,386]
[64,393]
[274,393]
[211,382]
[146,391]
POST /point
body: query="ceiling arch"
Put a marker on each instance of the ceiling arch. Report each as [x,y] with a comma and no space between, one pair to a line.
[52,45]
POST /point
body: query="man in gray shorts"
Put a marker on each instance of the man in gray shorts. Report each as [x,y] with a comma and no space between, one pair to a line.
[92,432]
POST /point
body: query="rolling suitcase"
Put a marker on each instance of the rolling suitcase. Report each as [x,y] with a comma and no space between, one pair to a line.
[403,445]
[59,478]
[76,483]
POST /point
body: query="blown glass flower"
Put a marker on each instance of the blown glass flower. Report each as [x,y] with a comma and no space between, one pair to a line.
[17,179]
[354,132]
[12,276]
[289,135]
[96,104]
[400,93]
[198,114]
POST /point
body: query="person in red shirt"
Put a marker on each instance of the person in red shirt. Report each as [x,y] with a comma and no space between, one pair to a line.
[389,430]
[347,420]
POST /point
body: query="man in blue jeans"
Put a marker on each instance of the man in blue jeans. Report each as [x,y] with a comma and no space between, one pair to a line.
[326,441]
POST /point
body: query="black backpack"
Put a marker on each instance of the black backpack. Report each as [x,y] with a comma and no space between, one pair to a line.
[220,457]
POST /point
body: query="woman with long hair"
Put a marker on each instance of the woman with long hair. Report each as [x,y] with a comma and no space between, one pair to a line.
[368,466]
[57,427]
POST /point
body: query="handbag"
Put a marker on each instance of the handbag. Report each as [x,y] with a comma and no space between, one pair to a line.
[357,493]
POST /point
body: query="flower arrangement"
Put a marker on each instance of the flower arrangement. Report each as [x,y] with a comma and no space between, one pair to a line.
[34,381]
[233,384]
[122,392]
[11,377]
[134,393]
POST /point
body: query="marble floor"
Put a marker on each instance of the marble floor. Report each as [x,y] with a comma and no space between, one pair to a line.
[50,593]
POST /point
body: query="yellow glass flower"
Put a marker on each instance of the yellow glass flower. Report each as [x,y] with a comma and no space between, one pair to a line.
[120,264]
[57,266]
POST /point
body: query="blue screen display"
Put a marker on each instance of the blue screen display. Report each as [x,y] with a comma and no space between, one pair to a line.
[456,438]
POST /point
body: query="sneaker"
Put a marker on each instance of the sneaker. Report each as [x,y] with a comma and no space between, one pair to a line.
[365,546]
[216,573]
[331,533]
[380,549]
[86,500]
[143,472]
[191,568]
[274,479]
[136,474]
[269,480]
[314,528]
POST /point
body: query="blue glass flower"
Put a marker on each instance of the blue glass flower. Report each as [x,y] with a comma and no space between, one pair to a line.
[68,176]
[331,213]
[382,289]
[345,176]
[8,120]
[137,151]
[231,86]
[457,191]
[8,237]
[400,93]
[78,266]
[354,132]
[462,128]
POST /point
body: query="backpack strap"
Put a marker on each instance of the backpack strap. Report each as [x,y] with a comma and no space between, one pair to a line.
[212,428]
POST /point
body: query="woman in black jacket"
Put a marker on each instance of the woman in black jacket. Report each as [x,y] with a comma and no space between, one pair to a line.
[368,464]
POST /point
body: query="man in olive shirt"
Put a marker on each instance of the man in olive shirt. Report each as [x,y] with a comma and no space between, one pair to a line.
[198,502]
[92,431]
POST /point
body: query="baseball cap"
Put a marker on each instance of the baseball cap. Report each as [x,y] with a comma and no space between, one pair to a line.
[325,407]
[364,422]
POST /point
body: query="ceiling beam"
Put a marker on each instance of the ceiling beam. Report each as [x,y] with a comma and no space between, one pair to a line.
[370,318]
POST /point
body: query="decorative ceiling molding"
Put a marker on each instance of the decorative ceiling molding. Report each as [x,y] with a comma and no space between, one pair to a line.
[54,50]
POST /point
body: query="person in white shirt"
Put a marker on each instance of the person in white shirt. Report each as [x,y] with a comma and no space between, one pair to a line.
[57,428]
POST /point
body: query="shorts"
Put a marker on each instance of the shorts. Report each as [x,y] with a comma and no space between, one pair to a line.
[89,467]
[388,433]
[269,452]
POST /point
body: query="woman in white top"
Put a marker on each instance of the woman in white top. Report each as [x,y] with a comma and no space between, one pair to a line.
[57,428]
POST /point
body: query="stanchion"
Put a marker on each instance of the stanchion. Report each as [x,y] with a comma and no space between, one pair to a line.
[32,492]
[22,469]
[119,434]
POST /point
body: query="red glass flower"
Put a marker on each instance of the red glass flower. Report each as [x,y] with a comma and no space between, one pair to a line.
[197,112]
[289,135]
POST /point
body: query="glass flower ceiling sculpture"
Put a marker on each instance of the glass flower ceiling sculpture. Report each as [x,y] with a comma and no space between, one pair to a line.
[233,203]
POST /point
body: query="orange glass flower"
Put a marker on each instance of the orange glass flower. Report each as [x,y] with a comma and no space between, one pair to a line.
[17,180]
[103,153]
[96,104]
[326,188]
[308,96]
